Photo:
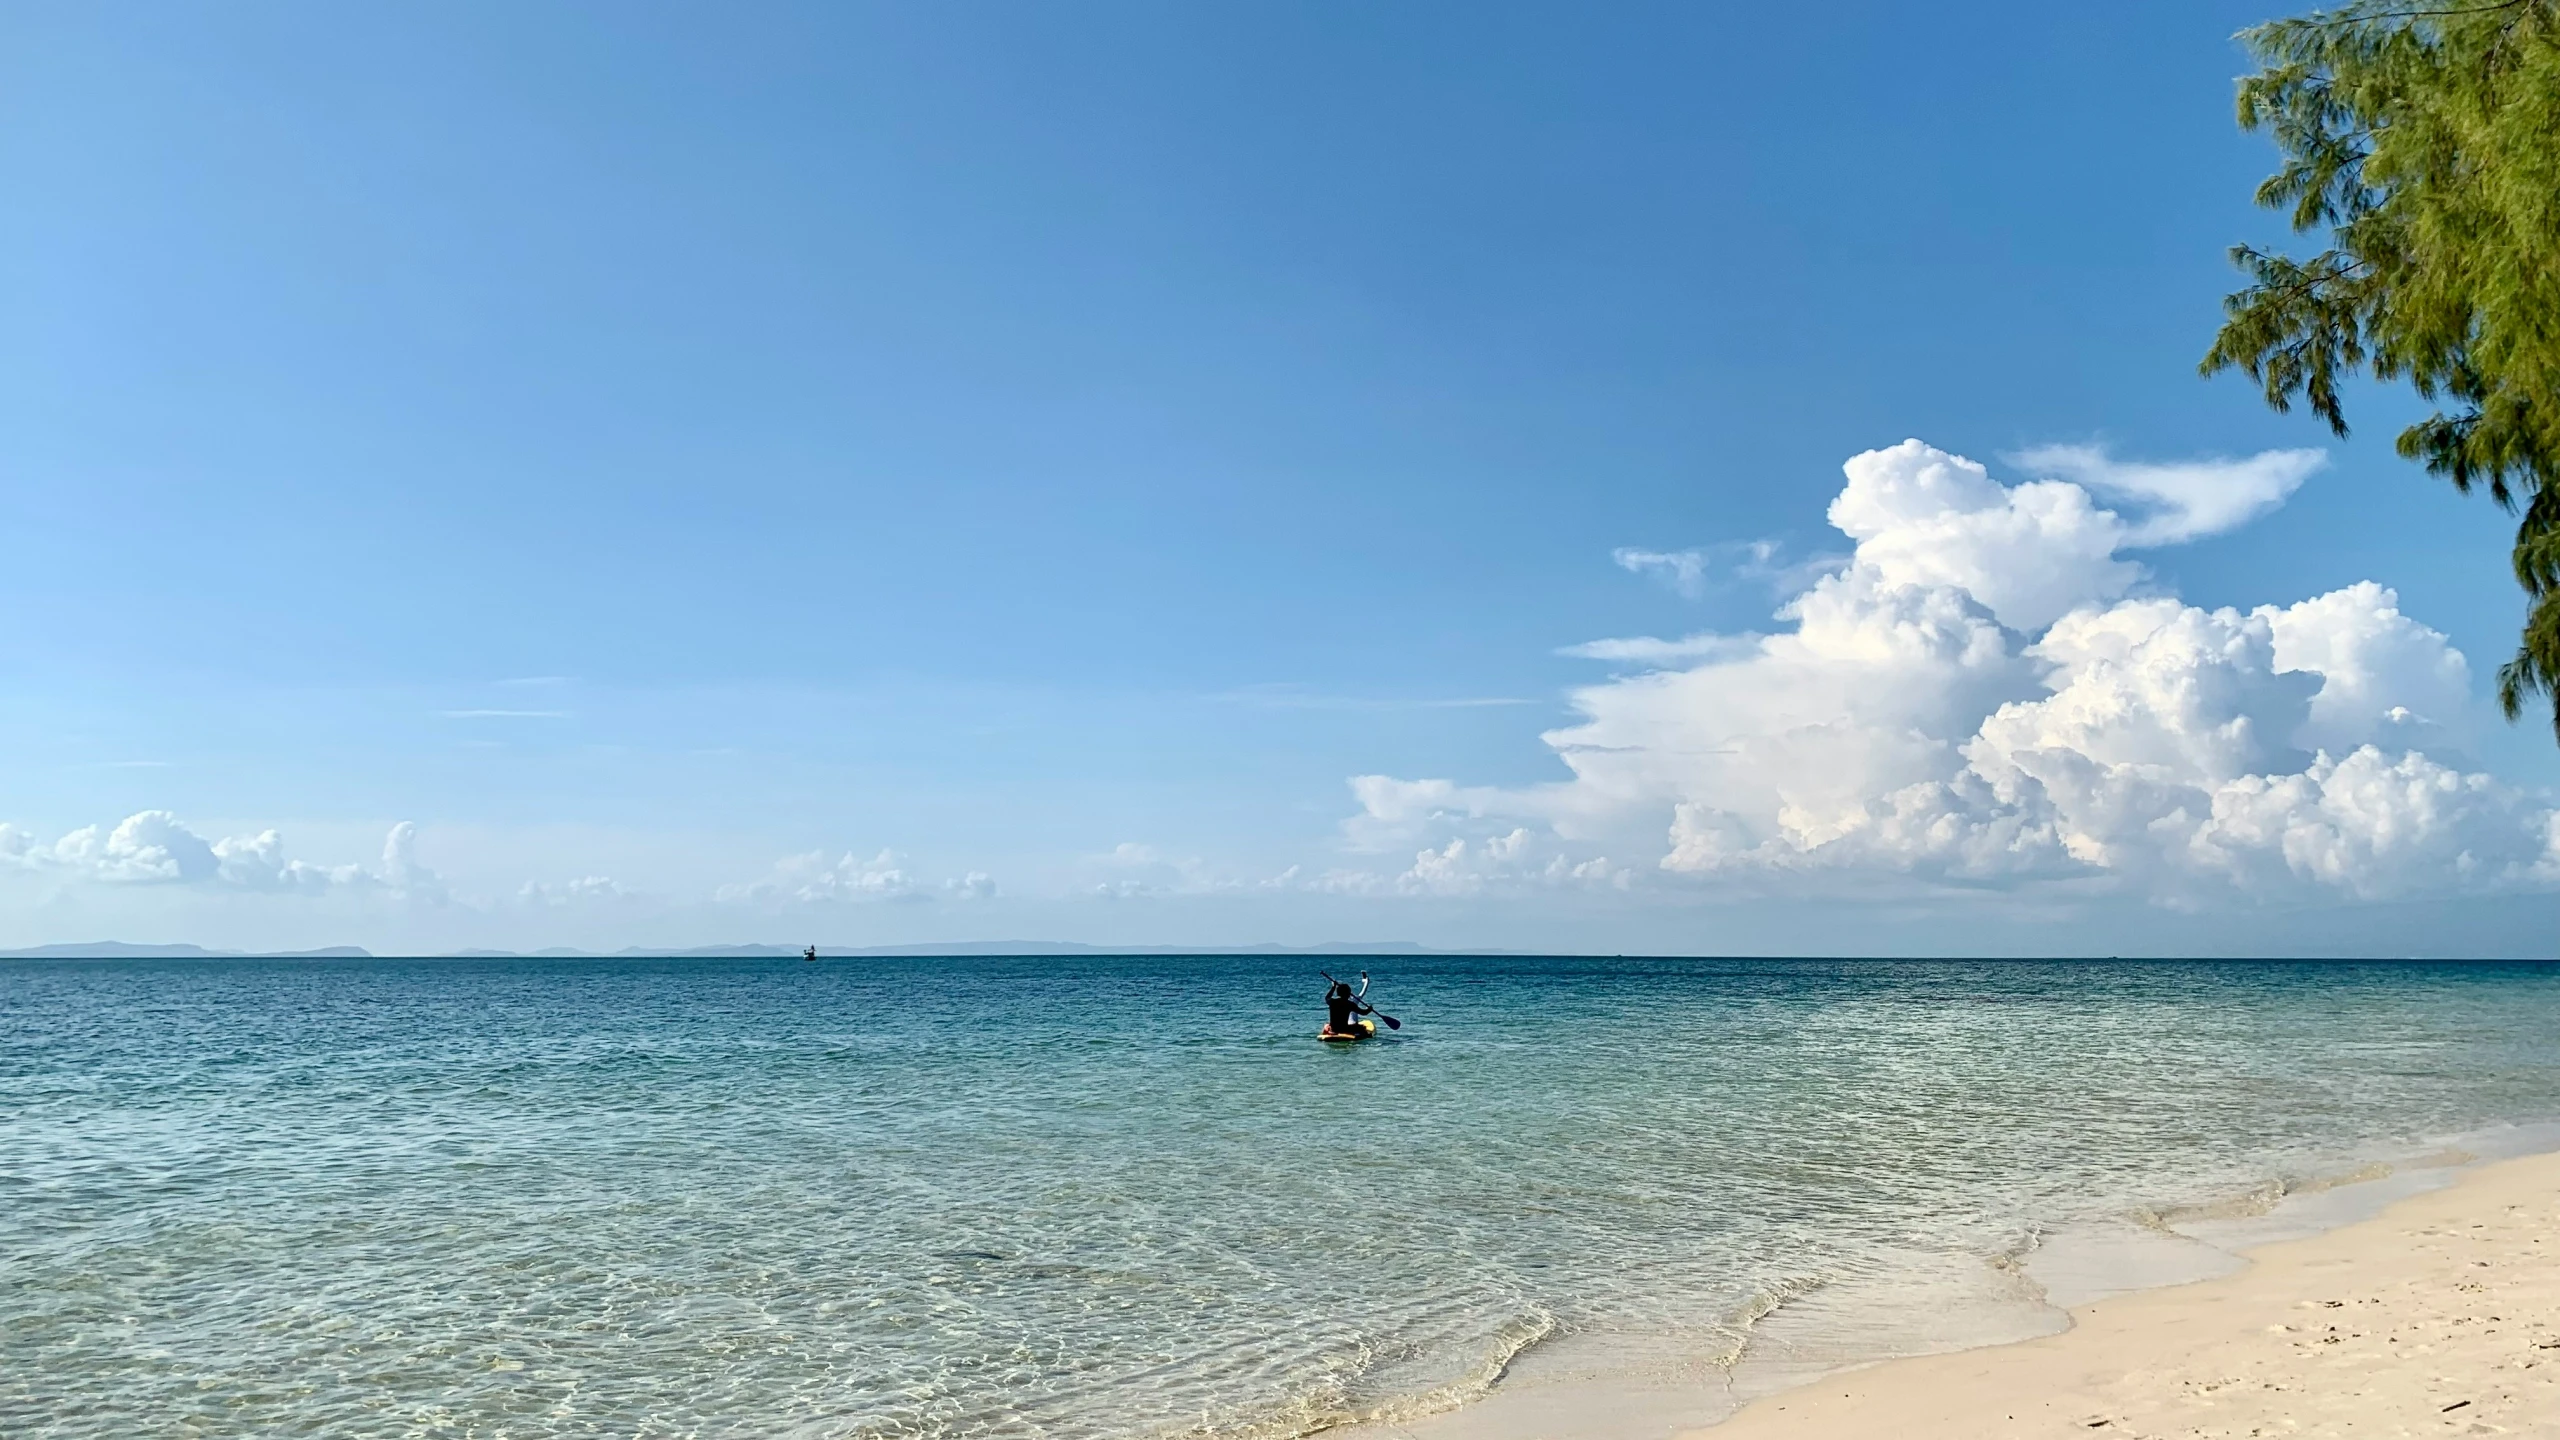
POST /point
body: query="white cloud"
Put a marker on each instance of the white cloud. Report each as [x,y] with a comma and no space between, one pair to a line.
[812,878]
[1928,520]
[1684,570]
[146,848]
[1293,697]
[1692,572]
[1513,860]
[1980,697]
[561,894]
[154,847]
[1503,857]
[2385,679]
[1646,650]
[257,862]
[1394,812]
[401,872]
[1133,871]
[2185,501]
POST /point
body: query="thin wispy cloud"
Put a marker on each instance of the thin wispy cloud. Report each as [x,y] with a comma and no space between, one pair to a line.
[1694,572]
[1278,697]
[1683,570]
[2175,503]
[1647,650]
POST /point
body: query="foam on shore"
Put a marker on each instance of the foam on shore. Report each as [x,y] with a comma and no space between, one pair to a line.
[2439,1315]
[1596,1386]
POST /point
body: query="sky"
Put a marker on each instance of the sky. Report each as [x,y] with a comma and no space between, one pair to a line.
[1666,479]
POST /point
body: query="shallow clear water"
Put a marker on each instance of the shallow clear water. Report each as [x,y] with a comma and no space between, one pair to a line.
[1090,1197]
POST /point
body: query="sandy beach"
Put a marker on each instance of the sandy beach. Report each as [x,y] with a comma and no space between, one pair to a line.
[2440,1315]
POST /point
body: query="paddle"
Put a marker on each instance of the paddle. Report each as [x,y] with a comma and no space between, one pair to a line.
[1392,1022]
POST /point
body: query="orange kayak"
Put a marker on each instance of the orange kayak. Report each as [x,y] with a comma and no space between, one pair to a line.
[1360,1030]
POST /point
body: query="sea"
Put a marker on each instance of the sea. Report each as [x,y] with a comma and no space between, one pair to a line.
[1135,1197]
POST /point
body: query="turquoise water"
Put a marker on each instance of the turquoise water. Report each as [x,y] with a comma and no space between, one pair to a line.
[1130,1197]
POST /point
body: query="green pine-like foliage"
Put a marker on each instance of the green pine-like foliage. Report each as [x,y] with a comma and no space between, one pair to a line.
[2425,141]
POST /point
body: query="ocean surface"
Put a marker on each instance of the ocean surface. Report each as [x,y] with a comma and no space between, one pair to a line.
[1114,1197]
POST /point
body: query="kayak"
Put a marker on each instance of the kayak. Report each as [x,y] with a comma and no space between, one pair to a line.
[1360,1030]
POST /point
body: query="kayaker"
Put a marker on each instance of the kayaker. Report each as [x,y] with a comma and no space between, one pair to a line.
[1340,1005]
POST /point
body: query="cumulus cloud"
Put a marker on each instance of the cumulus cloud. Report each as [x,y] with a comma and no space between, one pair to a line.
[1983,695]
[257,862]
[1509,860]
[155,847]
[1498,861]
[812,878]
[402,873]
[151,847]
[1938,526]
[2385,679]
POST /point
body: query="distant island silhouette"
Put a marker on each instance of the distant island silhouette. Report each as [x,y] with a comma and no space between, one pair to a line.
[120,950]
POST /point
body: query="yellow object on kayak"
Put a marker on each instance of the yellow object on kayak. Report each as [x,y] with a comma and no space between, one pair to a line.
[1360,1030]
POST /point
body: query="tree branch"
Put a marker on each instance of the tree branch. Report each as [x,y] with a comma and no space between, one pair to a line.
[2344,18]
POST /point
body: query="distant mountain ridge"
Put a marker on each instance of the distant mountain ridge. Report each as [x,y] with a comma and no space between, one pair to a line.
[120,950]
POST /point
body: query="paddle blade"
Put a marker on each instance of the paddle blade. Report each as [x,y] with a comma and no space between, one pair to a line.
[1392,1022]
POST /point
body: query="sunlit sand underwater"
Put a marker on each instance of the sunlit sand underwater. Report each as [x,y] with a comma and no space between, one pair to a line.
[1115,1197]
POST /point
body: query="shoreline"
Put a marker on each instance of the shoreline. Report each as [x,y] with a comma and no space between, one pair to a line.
[2438,1315]
[2112,1319]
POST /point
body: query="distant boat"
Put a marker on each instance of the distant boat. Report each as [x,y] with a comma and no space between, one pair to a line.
[809,954]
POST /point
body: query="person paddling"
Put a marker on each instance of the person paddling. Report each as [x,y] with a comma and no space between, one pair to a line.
[1340,1005]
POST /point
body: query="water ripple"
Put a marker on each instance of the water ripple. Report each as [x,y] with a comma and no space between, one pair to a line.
[944,1198]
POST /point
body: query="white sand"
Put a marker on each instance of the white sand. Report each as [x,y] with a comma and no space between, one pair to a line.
[2439,1316]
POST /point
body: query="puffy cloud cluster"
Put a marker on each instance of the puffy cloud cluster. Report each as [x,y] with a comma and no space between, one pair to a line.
[561,894]
[1516,857]
[1982,695]
[812,878]
[155,847]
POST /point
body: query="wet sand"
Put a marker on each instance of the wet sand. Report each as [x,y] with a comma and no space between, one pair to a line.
[2438,1316]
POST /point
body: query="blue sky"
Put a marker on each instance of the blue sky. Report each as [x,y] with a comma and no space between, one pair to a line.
[642,448]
